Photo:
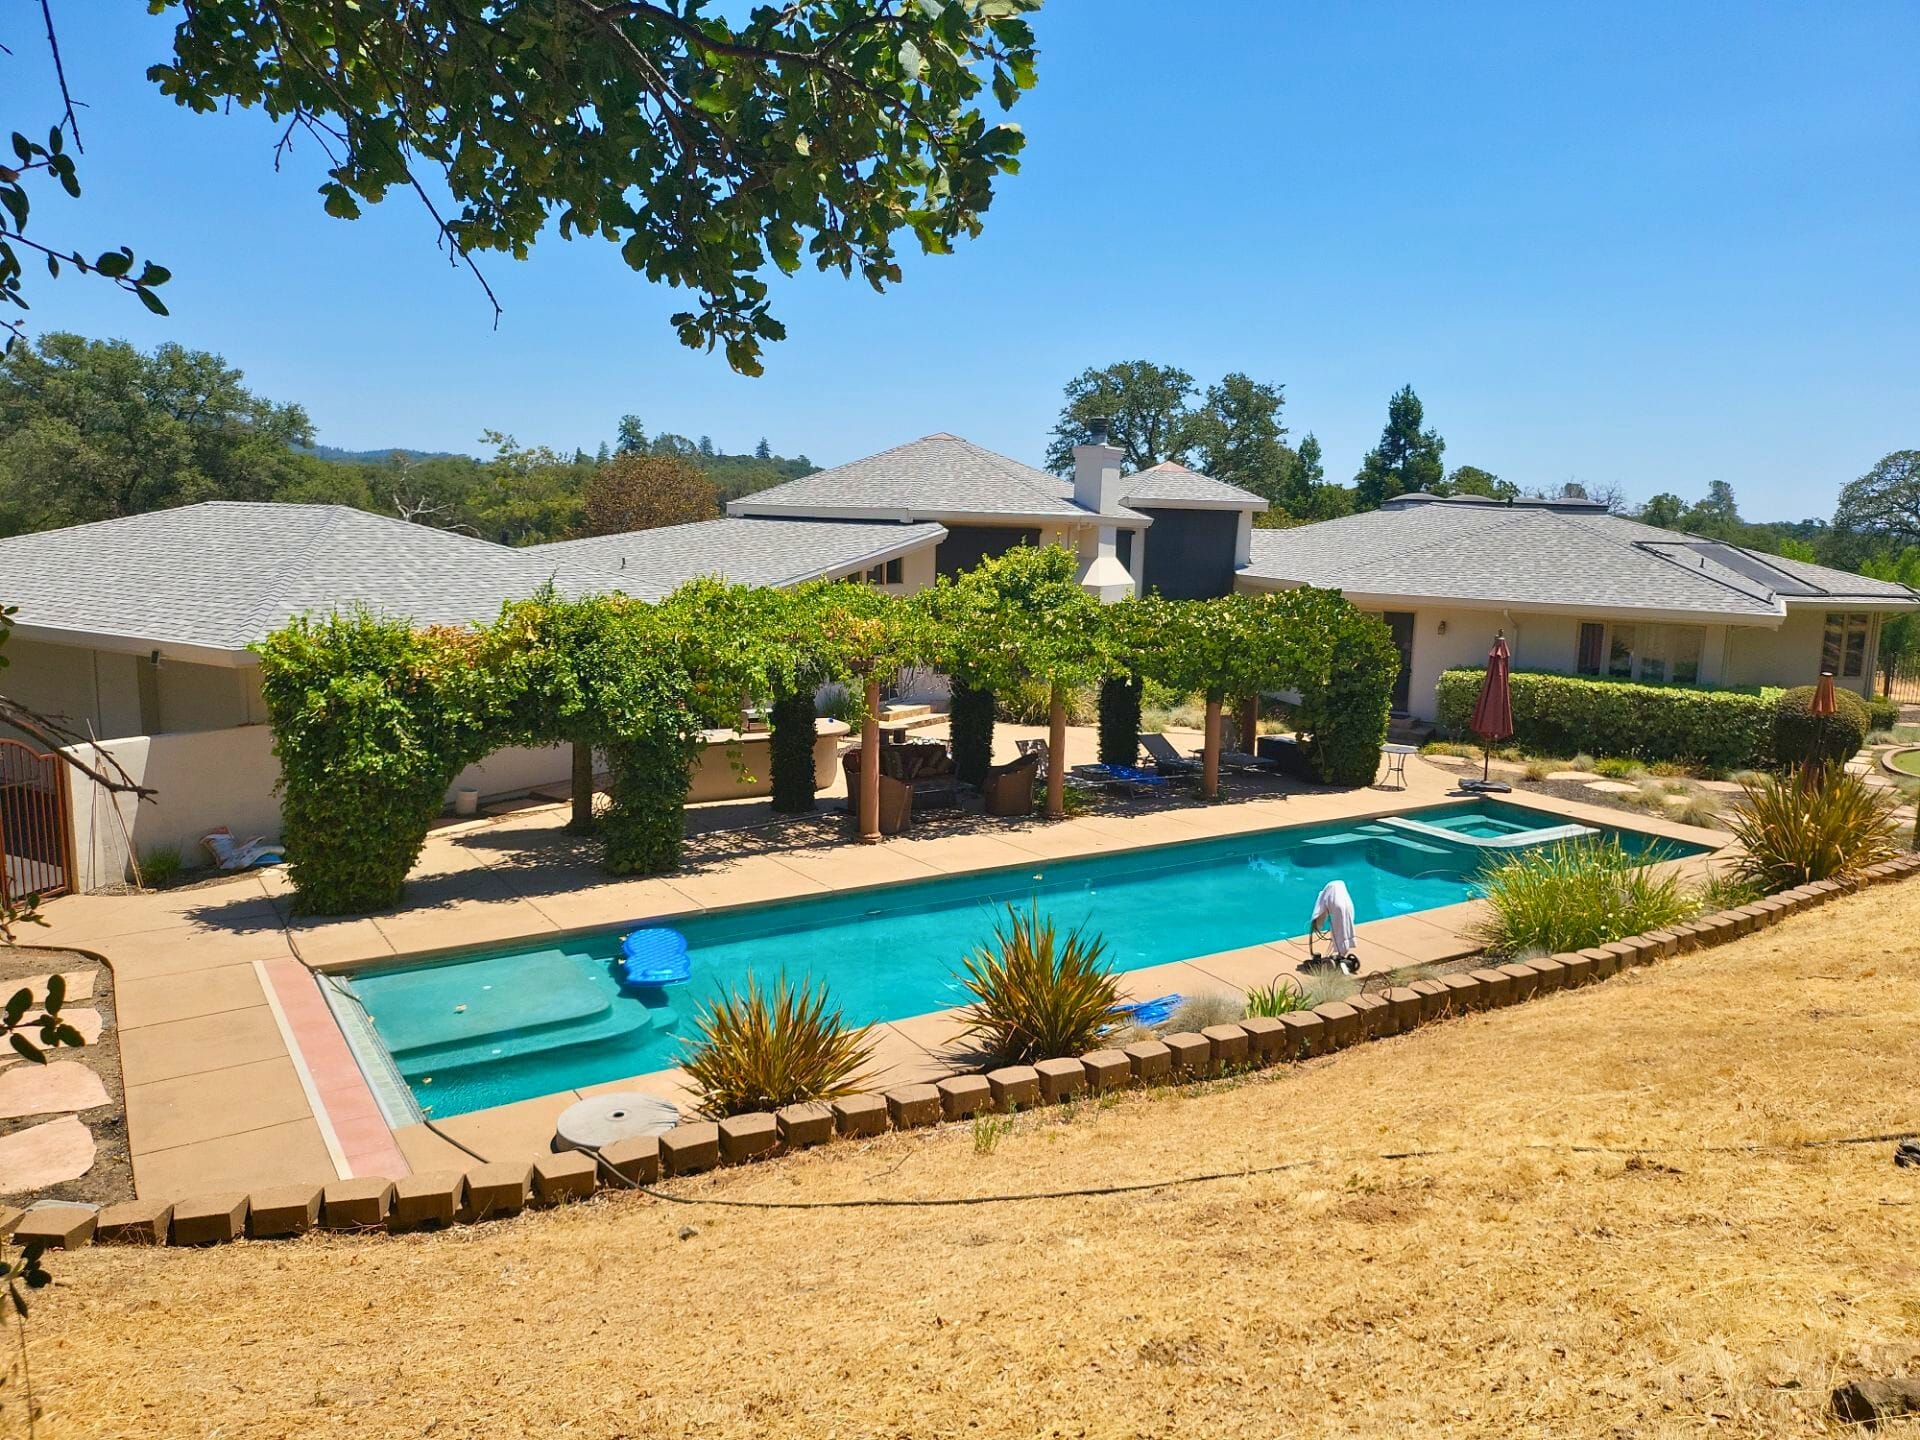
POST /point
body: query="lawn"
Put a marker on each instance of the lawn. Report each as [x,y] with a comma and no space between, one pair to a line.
[1595,1215]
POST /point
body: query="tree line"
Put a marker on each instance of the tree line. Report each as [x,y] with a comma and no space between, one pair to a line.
[97,429]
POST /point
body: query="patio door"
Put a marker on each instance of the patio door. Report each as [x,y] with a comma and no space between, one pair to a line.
[1400,622]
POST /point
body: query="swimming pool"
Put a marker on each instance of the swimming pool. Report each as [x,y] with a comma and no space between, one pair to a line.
[509,1023]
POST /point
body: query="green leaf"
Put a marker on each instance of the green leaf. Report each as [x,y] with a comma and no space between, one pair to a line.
[152,301]
[114,263]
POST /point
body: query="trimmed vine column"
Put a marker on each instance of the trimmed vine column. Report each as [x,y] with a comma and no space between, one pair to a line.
[1248,722]
[582,821]
[1057,752]
[1210,761]
[870,767]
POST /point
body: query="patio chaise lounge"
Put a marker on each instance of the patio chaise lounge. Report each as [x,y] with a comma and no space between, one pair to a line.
[1166,759]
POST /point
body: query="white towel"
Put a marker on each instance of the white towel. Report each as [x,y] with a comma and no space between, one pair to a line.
[1335,906]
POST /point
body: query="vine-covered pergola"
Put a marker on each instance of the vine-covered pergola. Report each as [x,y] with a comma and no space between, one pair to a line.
[373,718]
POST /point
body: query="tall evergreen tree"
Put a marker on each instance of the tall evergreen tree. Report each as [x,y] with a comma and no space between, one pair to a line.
[1306,474]
[763,451]
[706,447]
[631,438]
[1406,459]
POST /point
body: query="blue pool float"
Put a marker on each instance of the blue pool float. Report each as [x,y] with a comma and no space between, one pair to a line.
[1150,1012]
[655,957]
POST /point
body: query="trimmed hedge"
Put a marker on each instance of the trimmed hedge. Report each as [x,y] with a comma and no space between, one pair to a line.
[1799,735]
[790,756]
[1571,714]
[1120,719]
[1882,714]
[970,714]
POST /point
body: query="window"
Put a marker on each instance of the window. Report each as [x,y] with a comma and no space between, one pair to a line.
[885,573]
[1650,654]
[1593,640]
[1843,649]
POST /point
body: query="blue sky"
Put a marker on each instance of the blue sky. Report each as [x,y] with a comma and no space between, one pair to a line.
[1650,245]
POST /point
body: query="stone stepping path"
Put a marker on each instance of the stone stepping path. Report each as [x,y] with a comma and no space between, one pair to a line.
[1582,776]
[79,984]
[1721,787]
[45,1155]
[1612,787]
[49,1089]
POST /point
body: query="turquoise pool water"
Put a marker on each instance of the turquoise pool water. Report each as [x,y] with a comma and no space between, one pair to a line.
[510,1023]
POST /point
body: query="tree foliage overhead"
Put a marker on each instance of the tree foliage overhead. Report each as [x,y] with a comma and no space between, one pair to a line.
[1884,502]
[1147,408]
[1406,459]
[95,429]
[643,492]
[1237,436]
[707,146]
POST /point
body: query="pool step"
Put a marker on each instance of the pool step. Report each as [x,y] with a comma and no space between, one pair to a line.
[618,1023]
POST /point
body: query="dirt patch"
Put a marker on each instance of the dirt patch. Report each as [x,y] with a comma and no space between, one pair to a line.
[1436,1234]
[111,1176]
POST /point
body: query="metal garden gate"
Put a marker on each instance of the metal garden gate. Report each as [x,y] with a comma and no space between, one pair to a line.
[36,840]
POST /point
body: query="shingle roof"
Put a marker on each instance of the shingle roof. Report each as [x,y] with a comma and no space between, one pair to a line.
[1172,481]
[757,551]
[1538,556]
[934,475]
[225,574]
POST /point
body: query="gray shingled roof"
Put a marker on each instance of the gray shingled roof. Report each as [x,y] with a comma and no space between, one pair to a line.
[934,475]
[1170,481]
[225,574]
[758,551]
[1536,556]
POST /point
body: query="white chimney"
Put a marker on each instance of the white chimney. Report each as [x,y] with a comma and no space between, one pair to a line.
[1096,472]
[1096,487]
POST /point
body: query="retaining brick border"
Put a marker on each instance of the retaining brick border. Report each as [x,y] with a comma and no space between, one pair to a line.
[502,1188]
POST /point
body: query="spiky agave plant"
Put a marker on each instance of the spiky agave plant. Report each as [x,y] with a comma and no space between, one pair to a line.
[1795,830]
[1282,997]
[758,1051]
[1036,995]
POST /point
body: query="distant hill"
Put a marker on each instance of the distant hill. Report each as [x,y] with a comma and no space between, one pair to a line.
[373,457]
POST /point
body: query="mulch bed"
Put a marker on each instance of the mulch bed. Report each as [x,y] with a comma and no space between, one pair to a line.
[110,1178]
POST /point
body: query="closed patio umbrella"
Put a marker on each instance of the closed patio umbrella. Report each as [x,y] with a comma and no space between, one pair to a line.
[1823,704]
[1493,712]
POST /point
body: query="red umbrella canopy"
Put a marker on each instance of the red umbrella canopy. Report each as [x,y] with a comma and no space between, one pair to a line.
[1493,711]
[1823,701]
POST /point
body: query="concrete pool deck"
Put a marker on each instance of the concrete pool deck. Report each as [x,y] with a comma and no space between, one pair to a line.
[236,1075]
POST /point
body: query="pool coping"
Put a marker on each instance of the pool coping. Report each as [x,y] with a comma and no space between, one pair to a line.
[1439,934]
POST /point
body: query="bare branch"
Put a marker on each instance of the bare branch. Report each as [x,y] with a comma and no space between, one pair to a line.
[106,772]
[69,120]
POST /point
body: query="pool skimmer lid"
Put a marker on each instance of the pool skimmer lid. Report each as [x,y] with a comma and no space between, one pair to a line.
[599,1120]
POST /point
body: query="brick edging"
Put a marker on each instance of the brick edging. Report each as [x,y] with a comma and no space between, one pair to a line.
[436,1199]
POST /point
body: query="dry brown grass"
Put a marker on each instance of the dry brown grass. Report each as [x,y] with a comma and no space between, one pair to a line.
[1506,1282]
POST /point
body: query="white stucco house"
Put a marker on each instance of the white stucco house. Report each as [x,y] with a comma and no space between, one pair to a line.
[139,631]
[1583,592]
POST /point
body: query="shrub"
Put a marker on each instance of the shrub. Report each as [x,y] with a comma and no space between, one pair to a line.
[791,752]
[758,1051]
[1728,892]
[970,715]
[1576,894]
[1615,767]
[1560,714]
[1029,703]
[1882,713]
[1034,995]
[1699,808]
[1281,997]
[1793,833]
[162,867]
[1799,735]
[372,719]
[1120,697]
[846,704]
[1582,761]
[1197,1012]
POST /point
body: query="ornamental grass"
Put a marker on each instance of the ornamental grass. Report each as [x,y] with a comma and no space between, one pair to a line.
[1576,894]
[1037,995]
[1794,830]
[758,1051]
